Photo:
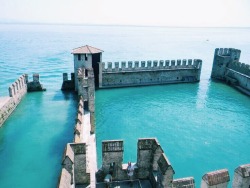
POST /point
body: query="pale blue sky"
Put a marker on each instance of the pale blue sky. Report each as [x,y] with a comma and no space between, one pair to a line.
[215,13]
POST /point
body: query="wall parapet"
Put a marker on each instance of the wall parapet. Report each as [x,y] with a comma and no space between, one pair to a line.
[17,91]
[216,178]
[67,84]
[228,68]
[78,135]
[240,67]
[184,183]
[149,65]
[235,53]
[18,88]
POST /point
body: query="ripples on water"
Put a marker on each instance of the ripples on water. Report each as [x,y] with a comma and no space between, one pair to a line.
[202,126]
[197,138]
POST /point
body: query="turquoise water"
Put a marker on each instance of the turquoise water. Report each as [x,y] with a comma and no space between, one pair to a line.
[202,126]
[199,132]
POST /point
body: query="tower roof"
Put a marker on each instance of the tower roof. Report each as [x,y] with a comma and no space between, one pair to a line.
[86,50]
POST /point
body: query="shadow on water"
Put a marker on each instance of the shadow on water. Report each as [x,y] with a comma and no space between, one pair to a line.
[66,136]
[41,125]
[65,95]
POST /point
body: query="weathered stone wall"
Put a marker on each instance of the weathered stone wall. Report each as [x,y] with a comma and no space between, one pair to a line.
[64,180]
[35,85]
[79,62]
[8,105]
[242,80]
[216,179]
[226,67]
[76,155]
[80,173]
[242,176]
[68,85]
[148,154]
[112,158]
[165,172]
[151,163]
[16,92]
[86,89]
[184,183]
[240,67]
[18,89]
[149,73]
[78,135]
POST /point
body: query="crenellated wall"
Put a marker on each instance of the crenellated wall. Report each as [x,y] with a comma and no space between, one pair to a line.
[216,179]
[78,133]
[86,89]
[78,156]
[68,84]
[123,74]
[17,90]
[242,176]
[226,67]
[184,183]
[152,163]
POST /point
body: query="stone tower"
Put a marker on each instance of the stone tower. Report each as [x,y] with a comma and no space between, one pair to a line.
[222,57]
[87,57]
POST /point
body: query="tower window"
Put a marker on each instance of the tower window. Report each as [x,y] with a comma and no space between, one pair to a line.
[86,57]
[79,57]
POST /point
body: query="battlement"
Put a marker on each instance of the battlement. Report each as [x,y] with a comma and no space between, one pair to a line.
[151,65]
[137,73]
[78,133]
[232,52]
[216,178]
[34,85]
[68,84]
[226,67]
[240,67]
[19,87]
[151,160]
[184,183]
[17,91]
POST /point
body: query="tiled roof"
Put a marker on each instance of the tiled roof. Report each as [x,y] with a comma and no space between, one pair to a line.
[86,50]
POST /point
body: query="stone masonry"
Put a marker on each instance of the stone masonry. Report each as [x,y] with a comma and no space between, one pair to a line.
[79,166]
[17,91]
[137,73]
[227,68]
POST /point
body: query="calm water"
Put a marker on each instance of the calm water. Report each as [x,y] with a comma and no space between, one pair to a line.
[202,126]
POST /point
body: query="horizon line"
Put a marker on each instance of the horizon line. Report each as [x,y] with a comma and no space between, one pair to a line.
[112,25]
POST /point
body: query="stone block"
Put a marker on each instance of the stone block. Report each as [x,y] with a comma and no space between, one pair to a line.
[219,178]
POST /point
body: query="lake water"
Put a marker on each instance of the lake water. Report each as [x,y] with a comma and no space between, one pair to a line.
[201,127]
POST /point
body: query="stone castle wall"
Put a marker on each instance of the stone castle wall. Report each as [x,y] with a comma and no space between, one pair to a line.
[240,72]
[227,68]
[17,90]
[75,168]
[149,73]
[153,164]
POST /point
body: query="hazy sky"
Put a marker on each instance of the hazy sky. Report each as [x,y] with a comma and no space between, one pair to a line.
[129,12]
